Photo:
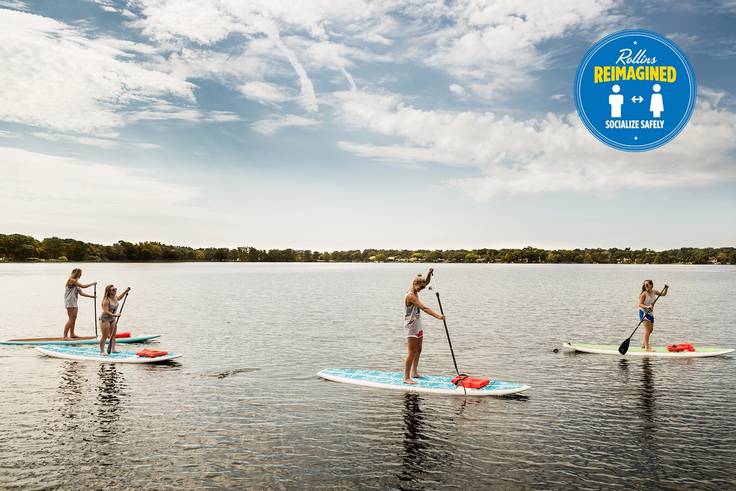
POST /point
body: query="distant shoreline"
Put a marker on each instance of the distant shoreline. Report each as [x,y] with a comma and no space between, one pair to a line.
[17,248]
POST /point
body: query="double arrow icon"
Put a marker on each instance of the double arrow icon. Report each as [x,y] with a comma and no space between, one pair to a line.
[637,98]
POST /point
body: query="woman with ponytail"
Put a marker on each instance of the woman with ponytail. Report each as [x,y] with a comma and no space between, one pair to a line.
[646,310]
[413,325]
[109,316]
[72,291]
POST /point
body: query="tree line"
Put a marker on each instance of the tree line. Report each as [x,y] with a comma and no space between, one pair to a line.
[16,247]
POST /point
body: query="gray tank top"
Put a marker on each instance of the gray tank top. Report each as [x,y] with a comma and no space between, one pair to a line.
[71,295]
[411,314]
[113,308]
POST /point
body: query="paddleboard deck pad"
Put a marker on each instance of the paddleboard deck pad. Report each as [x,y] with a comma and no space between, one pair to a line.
[93,354]
[428,384]
[657,351]
[78,341]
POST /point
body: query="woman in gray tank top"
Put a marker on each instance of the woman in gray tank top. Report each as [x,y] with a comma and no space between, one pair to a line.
[413,325]
[72,291]
[109,316]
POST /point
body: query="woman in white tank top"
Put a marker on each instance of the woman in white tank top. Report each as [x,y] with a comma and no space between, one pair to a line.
[413,325]
[646,310]
[72,291]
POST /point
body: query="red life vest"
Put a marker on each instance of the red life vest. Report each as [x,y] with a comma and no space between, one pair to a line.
[470,382]
[151,353]
[125,334]
[680,347]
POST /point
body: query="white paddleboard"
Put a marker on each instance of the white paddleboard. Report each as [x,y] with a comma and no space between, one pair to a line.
[93,354]
[660,351]
[429,384]
[77,341]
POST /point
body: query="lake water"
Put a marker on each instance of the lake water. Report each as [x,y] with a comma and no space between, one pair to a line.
[244,409]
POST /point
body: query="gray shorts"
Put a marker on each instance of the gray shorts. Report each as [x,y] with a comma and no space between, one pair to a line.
[414,329]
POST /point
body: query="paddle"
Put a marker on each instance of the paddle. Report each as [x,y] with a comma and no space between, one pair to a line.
[449,341]
[115,327]
[96,310]
[625,345]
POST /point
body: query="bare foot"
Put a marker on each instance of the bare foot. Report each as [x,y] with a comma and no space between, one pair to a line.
[648,348]
[416,375]
[67,339]
[73,336]
[102,353]
[409,381]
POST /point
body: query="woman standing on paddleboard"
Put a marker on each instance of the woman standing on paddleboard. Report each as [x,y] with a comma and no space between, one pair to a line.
[413,325]
[71,294]
[109,316]
[646,310]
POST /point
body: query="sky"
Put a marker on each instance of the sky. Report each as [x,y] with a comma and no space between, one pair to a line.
[350,124]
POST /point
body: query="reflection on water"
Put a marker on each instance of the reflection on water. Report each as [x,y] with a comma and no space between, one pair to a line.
[424,455]
[647,397]
[110,395]
[71,394]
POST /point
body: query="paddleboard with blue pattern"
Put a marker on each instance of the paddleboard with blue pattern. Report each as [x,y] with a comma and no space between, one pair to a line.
[77,341]
[82,353]
[428,384]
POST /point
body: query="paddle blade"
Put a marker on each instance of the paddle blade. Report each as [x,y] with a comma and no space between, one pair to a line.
[624,346]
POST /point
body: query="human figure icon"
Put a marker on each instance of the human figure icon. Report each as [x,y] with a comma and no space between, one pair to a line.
[616,100]
[656,104]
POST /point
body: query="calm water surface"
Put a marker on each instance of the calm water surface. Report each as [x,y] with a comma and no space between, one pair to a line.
[244,409]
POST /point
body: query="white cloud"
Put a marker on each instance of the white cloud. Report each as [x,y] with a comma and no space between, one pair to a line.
[495,46]
[82,140]
[14,4]
[106,143]
[264,92]
[552,154]
[221,117]
[78,84]
[456,89]
[270,126]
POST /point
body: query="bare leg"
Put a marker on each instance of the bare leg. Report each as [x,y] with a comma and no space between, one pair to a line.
[417,354]
[112,340]
[71,320]
[105,328]
[409,361]
[648,328]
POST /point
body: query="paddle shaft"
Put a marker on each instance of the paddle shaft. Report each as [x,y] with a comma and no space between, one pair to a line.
[115,327]
[95,310]
[447,332]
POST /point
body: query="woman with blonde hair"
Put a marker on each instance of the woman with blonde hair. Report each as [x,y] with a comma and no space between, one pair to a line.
[109,316]
[413,325]
[71,295]
[647,297]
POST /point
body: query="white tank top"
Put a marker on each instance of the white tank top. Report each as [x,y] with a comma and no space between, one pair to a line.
[649,298]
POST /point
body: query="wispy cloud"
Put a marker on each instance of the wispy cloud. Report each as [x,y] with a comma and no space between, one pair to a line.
[552,154]
[79,84]
[271,126]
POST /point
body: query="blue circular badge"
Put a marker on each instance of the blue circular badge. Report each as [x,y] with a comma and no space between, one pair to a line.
[635,90]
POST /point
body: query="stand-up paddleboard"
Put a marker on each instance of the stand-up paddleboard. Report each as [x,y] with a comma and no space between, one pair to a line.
[660,351]
[93,354]
[428,384]
[80,340]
